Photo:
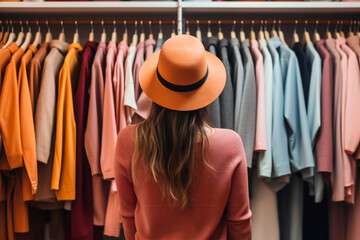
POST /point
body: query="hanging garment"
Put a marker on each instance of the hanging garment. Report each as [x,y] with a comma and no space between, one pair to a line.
[354,43]
[353,231]
[36,67]
[159,43]
[237,76]
[82,213]
[280,154]
[109,130]
[64,169]
[226,98]
[93,134]
[247,119]
[260,129]
[234,223]
[139,60]
[5,56]
[337,178]
[214,107]
[129,95]
[265,158]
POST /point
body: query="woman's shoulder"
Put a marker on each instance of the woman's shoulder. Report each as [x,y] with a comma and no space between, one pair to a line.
[228,140]
[127,132]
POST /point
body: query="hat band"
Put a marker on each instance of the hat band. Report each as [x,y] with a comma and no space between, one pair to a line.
[182,88]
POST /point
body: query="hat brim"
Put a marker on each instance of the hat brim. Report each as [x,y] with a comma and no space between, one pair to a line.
[183,101]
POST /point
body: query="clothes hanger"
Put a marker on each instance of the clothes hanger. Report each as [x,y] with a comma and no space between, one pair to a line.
[232,33]
[10,37]
[351,33]
[114,33]
[242,33]
[220,34]
[103,34]
[173,29]
[91,34]
[337,34]
[6,34]
[48,36]
[160,35]
[62,34]
[295,38]
[151,35]
[38,37]
[266,32]
[198,31]
[342,34]
[252,33]
[135,36]
[273,31]
[316,35]
[187,27]
[328,33]
[306,36]
[142,34]
[76,34]
[357,28]
[125,35]
[21,35]
[28,36]
[281,34]
[261,32]
[209,33]
[2,30]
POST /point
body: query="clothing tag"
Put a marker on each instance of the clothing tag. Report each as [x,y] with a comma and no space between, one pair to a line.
[113,186]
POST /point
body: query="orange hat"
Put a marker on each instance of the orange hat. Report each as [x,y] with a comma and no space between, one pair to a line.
[182,76]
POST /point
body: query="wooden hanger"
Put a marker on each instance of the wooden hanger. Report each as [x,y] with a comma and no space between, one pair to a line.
[2,30]
[151,35]
[10,36]
[76,34]
[38,36]
[114,33]
[173,29]
[198,31]
[142,34]
[328,33]
[252,33]
[135,36]
[103,34]
[342,34]
[62,34]
[21,35]
[125,35]
[337,34]
[273,31]
[242,33]
[187,27]
[316,35]
[295,38]
[351,33]
[220,33]
[261,32]
[209,33]
[281,34]
[160,35]
[232,33]
[28,36]
[48,36]
[91,34]
[306,36]
[357,29]
[266,32]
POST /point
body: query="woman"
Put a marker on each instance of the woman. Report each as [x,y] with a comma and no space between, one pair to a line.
[178,178]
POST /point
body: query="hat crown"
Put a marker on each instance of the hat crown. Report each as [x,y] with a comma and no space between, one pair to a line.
[182,60]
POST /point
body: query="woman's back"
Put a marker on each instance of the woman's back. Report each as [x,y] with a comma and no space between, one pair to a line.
[218,195]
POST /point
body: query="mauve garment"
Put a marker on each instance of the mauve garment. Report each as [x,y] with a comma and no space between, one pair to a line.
[260,132]
[93,131]
[219,200]
[354,43]
[214,107]
[82,210]
[139,60]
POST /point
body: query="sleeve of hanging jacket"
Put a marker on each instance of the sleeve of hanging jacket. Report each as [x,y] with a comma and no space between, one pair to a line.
[9,112]
[64,168]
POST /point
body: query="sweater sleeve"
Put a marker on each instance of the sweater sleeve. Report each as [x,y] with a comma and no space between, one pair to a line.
[124,185]
[238,212]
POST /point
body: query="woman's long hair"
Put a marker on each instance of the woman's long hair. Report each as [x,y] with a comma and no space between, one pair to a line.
[165,142]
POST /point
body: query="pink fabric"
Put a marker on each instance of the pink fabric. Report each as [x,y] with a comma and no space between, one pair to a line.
[109,129]
[348,159]
[353,230]
[100,198]
[139,60]
[260,132]
[324,143]
[149,47]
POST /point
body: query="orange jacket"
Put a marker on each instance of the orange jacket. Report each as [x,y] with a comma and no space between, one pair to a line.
[64,168]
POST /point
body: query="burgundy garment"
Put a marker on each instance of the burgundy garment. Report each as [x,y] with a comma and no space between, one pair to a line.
[82,210]
[324,144]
